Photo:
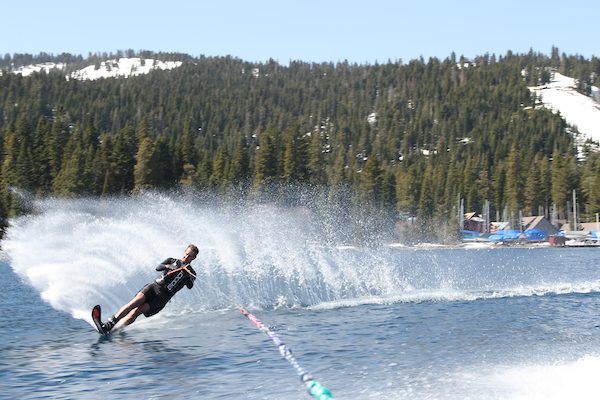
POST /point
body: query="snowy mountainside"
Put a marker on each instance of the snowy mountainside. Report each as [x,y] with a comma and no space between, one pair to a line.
[577,109]
[47,67]
[122,67]
[559,95]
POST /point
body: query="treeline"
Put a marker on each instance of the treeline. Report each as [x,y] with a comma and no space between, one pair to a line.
[12,62]
[407,139]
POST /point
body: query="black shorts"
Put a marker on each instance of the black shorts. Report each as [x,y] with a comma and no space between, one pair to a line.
[155,297]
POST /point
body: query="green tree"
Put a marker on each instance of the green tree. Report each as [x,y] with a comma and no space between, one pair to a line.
[239,168]
[265,164]
[56,142]
[68,182]
[294,155]
[220,167]
[561,182]
[514,183]
[145,164]
[316,159]
[23,174]
[532,191]
[370,183]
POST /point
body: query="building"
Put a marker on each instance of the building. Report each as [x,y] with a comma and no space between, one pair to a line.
[590,226]
[474,222]
[496,226]
[538,222]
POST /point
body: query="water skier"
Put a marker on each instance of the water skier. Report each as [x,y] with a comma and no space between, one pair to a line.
[154,296]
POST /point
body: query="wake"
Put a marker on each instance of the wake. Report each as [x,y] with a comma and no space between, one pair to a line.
[78,253]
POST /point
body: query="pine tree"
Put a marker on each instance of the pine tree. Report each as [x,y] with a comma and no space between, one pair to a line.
[163,174]
[265,164]
[290,161]
[590,185]
[143,129]
[56,142]
[316,159]
[220,166]
[545,184]
[106,167]
[370,183]
[23,173]
[531,190]
[68,182]
[560,183]
[123,160]
[294,155]
[9,146]
[239,168]
[513,189]
[426,205]
[41,165]
[499,185]
[203,170]
[144,170]
[337,172]
[188,146]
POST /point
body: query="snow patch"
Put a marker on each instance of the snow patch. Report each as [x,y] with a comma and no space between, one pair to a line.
[372,118]
[123,67]
[46,67]
[577,109]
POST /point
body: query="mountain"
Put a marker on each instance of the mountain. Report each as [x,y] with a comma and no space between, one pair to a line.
[559,95]
[405,140]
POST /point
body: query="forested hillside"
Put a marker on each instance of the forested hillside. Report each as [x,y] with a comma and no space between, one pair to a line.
[405,139]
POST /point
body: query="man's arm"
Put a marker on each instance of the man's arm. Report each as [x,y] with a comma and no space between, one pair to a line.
[165,264]
[191,277]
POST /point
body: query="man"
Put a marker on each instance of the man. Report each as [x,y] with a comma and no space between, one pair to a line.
[155,295]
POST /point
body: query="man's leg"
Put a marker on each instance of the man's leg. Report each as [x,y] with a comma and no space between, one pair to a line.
[137,301]
[134,303]
[132,316]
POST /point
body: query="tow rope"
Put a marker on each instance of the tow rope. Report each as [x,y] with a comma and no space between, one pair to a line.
[313,387]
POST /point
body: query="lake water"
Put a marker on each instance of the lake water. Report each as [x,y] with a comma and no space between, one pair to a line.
[368,323]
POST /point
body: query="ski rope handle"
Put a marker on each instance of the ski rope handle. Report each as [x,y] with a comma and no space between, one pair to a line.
[172,271]
[313,387]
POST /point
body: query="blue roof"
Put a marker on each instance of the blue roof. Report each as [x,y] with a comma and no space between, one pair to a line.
[495,238]
[512,234]
[536,234]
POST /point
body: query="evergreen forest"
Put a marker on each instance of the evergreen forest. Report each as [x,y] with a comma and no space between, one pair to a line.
[406,140]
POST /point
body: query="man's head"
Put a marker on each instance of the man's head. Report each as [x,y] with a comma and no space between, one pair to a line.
[190,253]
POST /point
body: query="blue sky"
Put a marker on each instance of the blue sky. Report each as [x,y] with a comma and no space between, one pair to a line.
[307,30]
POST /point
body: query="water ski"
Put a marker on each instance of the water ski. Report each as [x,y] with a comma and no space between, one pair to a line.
[97,318]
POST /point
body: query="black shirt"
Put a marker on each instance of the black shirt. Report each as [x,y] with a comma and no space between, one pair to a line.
[174,276]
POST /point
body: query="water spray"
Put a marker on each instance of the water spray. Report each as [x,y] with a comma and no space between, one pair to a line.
[314,388]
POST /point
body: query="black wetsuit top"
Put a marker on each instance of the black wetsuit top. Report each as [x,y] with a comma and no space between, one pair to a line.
[174,277]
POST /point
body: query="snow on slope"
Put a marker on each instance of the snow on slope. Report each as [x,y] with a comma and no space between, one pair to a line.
[124,67]
[30,69]
[577,109]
